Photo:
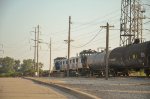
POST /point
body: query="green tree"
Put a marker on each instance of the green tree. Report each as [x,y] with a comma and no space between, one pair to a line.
[7,65]
[27,67]
[12,67]
[17,65]
[40,65]
[40,68]
[44,73]
[1,66]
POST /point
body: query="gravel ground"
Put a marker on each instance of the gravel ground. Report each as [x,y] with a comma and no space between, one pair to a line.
[114,88]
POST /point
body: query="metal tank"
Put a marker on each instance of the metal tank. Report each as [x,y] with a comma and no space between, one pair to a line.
[133,56]
[117,57]
[97,61]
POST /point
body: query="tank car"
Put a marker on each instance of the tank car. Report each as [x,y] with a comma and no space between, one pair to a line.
[96,63]
[135,56]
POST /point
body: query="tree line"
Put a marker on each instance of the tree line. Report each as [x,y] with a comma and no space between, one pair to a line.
[12,67]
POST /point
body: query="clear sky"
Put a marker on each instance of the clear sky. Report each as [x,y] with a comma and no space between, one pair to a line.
[18,17]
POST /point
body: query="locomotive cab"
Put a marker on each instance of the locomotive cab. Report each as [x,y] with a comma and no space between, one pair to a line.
[84,54]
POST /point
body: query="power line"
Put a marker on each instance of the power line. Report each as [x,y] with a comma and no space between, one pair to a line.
[88,23]
[80,27]
[88,41]
[92,23]
[95,20]
[146,4]
[83,35]
[146,22]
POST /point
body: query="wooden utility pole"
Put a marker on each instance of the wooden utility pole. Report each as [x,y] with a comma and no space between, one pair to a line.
[1,50]
[68,66]
[107,49]
[50,58]
[35,50]
[38,50]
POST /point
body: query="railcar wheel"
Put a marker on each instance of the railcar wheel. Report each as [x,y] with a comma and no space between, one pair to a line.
[113,73]
[147,72]
[127,74]
[100,74]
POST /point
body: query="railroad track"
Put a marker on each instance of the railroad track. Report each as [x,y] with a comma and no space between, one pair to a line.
[130,77]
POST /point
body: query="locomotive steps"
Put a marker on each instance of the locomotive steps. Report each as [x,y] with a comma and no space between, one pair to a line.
[78,94]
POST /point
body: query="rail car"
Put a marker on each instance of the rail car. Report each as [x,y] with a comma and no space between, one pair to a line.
[96,63]
[61,64]
[135,56]
[121,60]
[58,63]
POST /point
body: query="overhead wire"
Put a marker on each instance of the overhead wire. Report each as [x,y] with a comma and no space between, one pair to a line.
[88,41]
[79,28]
[91,32]
[95,20]
[146,22]
[79,36]
[82,26]
[84,35]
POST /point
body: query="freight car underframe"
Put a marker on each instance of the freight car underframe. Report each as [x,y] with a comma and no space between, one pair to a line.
[113,71]
[125,71]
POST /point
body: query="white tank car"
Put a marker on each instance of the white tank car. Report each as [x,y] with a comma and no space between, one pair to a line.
[97,61]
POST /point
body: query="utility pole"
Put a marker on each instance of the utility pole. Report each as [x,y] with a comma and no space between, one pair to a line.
[68,41]
[50,58]
[1,50]
[35,50]
[38,50]
[107,49]
[68,67]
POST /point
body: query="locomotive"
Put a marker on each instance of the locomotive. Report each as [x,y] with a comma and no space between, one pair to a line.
[121,60]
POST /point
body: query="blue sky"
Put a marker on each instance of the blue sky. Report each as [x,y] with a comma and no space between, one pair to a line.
[18,17]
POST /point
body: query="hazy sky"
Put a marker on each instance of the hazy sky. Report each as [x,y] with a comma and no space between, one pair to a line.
[19,17]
